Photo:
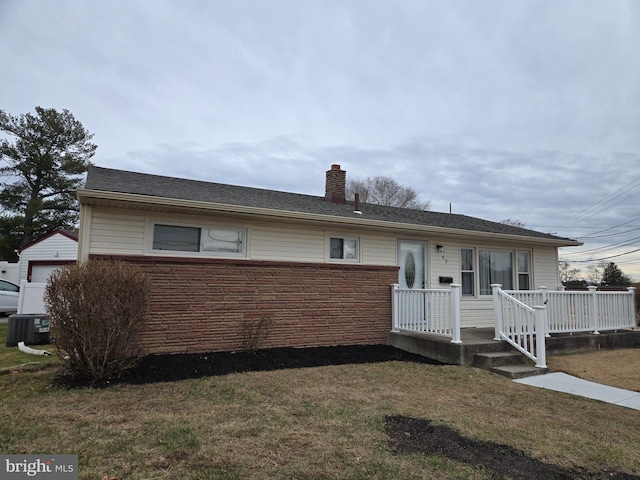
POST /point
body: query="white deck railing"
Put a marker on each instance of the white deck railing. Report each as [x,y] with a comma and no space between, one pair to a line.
[579,311]
[522,317]
[520,325]
[432,311]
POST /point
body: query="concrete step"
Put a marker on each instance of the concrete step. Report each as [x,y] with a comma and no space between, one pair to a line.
[497,359]
[519,371]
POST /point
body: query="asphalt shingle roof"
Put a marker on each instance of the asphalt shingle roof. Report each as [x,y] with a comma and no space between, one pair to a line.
[111,180]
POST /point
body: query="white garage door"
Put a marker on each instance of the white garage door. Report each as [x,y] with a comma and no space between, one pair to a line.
[40,273]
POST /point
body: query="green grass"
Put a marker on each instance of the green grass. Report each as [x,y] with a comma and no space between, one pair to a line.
[11,358]
[325,422]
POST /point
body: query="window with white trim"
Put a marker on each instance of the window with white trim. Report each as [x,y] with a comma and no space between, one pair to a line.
[495,266]
[214,240]
[467,270]
[344,248]
[524,275]
[509,268]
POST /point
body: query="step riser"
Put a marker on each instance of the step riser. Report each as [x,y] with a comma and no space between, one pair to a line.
[525,371]
[498,360]
[509,364]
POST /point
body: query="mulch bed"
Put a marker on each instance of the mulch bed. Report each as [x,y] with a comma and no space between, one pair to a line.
[406,435]
[171,368]
[414,435]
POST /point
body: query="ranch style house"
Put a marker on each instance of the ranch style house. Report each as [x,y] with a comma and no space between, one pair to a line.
[327,271]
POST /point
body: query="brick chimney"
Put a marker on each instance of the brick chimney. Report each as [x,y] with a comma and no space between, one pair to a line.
[336,185]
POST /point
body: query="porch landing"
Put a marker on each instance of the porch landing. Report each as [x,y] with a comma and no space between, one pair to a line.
[478,341]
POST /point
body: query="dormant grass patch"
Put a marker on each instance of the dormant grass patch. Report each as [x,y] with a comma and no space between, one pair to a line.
[11,358]
[617,368]
[324,422]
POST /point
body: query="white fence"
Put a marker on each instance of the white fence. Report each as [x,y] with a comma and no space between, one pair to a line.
[579,311]
[520,325]
[31,299]
[433,311]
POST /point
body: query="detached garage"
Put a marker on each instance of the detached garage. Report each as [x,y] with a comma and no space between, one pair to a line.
[38,259]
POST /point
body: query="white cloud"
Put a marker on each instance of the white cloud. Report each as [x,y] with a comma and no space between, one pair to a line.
[523,109]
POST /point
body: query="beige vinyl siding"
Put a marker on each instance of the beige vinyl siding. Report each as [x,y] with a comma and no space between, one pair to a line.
[545,268]
[275,241]
[128,233]
[281,242]
[443,264]
[379,249]
[476,313]
[116,232]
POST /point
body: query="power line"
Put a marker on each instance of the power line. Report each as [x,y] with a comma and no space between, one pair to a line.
[605,258]
[623,243]
[624,223]
[603,204]
[608,235]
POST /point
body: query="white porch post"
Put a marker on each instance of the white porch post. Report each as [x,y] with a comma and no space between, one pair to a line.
[632,291]
[541,322]
[395,326]
[593,308]
[544,294]
[455,312]
[497,310]
[545,301]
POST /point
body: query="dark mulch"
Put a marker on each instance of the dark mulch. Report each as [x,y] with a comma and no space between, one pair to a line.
[413,435]
[170,368]
[163,368]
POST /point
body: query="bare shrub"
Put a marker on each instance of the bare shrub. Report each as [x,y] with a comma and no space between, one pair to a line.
[255,332]
[97,310]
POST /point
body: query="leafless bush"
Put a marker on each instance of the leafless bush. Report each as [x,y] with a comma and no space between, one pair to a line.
[97,310]
[255,332]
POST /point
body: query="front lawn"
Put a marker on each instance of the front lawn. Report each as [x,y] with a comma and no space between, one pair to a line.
[323,422]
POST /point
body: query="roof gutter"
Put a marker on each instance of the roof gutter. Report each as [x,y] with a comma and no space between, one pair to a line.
[84,195]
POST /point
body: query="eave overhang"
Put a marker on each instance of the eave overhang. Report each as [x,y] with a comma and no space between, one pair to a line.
[175,205]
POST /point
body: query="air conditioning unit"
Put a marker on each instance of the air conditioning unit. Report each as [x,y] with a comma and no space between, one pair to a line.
[30,329]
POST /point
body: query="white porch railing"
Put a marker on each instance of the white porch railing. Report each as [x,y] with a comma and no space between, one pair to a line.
[522,318]
[579,311]
[432,311]
[520,325]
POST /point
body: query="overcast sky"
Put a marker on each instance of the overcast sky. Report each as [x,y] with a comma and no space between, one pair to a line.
[519,109]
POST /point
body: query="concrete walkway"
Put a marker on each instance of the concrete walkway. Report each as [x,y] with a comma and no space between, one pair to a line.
[561,382]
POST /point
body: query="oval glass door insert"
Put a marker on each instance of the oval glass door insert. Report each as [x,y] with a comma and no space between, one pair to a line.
[410,270]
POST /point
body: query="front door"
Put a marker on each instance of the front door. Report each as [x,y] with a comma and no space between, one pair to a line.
[413,264]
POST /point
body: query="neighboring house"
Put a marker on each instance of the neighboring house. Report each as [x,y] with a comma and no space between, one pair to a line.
[221,257]
[9,271]
[41,257]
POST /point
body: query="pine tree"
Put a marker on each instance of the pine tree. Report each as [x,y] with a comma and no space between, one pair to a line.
[613,276]
[46,155]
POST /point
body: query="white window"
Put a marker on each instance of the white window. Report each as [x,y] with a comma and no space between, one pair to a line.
[524,274]
[467,270]
[344,248]
[495,266]
[213,240]
[511,269]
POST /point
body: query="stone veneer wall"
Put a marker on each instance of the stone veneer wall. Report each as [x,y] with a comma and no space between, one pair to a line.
[200,305]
